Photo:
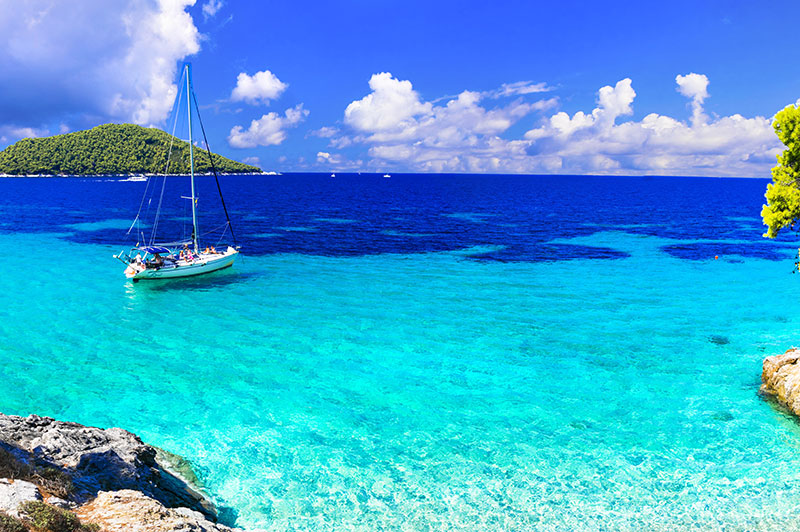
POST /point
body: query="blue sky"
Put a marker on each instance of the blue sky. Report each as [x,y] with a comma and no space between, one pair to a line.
[677,88]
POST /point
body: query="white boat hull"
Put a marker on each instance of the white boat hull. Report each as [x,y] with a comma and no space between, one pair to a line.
[205,264]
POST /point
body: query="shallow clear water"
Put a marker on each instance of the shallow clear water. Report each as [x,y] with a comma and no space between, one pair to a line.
[482,363]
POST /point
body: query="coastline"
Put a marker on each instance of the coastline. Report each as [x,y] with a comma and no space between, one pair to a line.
[780,377]
[106,477]
[343,388]
[135,174]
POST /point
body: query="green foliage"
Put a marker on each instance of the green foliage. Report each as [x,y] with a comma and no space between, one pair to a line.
[11,524]
[54,481]
[783,194]
[10,467]
[109,149]
[46,518]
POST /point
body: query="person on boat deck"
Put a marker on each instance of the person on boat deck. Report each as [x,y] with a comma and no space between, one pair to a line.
[214,251]
[158,260]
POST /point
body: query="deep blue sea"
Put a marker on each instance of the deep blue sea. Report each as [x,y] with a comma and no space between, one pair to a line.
[425,352]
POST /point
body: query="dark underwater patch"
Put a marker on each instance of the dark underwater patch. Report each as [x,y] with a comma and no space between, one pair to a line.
[719,339]
[409,213]
[723,250]
[550,253]
[722,416]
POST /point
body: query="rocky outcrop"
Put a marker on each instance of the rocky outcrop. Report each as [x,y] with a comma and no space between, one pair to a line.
[780,377]
[127,510]
[15,492]
[101,462]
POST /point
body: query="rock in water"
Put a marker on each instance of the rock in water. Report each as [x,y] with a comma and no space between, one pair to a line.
[99,459]
[780,377]
[126,510]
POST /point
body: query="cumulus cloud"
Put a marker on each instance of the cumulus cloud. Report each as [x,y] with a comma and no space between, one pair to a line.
[80,63]
[731,145]
[324,157]
[461,134]
[612,102]
[211,7]
[259,88]
[694,86]
[392,104]
[269,130]
[401,129]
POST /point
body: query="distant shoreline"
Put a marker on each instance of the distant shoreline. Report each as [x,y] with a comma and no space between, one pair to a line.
[137,174]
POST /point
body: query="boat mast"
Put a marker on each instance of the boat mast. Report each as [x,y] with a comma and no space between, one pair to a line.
[191,154]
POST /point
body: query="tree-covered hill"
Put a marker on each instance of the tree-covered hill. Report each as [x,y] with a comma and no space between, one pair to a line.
[109,149]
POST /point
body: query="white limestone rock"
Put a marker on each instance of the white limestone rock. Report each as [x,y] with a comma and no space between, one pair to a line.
[15,492]
[99,459]
[128,510]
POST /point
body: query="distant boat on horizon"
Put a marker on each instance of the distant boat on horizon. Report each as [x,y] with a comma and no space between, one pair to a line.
[386,175]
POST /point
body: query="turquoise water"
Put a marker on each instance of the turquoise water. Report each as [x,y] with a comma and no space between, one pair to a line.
[428,391]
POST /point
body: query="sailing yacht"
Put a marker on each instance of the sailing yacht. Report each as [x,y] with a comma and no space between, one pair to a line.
[182,258]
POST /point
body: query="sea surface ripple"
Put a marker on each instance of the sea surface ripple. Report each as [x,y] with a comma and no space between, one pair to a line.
[426,352]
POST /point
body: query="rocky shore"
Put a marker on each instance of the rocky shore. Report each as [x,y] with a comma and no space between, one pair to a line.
[780,378]
[108,478]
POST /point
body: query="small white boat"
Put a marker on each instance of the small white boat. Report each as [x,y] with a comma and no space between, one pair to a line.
[333,175]
[386,176]
[183,258]
[136,178]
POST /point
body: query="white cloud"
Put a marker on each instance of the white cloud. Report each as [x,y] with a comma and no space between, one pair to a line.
[324,157]
[159,39]
[614,101]
[269,130]
[211,7]
[82,62]
[461,135]
[402,130]
[337,161]
[694,86]
[10,133]
[325,132]
[394,112]
[261,87]
[518,88]
[254,161]
[731,145]
[392,104]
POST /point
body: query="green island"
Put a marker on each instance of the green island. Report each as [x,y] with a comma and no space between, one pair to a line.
[110,149]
